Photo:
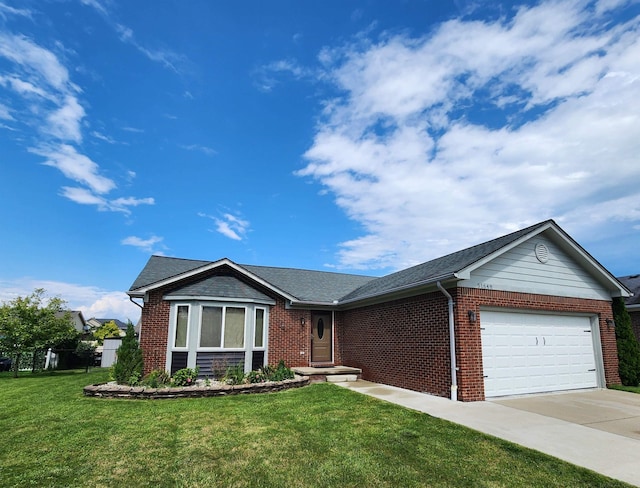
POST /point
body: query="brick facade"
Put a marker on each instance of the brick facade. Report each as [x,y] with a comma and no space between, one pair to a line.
[405,342]
[154,332]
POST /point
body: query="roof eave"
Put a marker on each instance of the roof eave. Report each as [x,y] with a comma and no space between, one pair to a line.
[401,291]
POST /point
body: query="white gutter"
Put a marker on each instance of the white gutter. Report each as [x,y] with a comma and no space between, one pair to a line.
[452,344]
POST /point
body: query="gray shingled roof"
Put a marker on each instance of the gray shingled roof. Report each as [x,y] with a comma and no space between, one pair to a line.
[632,282]
[159,268]
[322,286]
[305,285]
[437,269]
[220,286]
[310,286]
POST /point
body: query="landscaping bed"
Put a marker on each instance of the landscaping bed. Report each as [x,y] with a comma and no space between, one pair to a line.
[113,390]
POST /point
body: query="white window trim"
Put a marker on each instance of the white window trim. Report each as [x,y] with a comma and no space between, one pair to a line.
[265,327]
[174,326]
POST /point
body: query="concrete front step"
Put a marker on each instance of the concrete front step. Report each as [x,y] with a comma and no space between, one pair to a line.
[341,378]
[333,374]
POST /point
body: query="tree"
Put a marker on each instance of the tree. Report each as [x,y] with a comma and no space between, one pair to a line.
[86,352]
[128,366]
[628,347]
[105,331]
[29,326]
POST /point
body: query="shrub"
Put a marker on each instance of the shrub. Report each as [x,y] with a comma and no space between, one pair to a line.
[628,347]
[257,376]
[270,373]
[282,372]
[128,364]
[234,375]
[185,377]
[156,378]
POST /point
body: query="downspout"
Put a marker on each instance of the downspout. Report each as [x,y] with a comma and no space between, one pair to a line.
[452,344]
[141,307]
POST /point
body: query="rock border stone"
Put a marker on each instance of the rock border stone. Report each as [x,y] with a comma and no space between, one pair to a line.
[109,390]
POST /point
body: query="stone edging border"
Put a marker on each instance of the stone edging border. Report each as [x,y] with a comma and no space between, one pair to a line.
[106,390]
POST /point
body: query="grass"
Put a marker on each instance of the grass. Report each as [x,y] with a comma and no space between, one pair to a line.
[319,436]
[632,389]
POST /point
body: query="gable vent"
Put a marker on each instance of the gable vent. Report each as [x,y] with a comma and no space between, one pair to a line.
[542,253]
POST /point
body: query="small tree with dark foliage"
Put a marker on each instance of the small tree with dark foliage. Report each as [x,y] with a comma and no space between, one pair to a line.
[128,366]
[628,347]
[86,352]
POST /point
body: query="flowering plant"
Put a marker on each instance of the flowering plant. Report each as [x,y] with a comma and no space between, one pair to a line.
[185,377]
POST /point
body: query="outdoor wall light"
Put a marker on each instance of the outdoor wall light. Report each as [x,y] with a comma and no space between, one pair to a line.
[302,321]
[610,322]
[472,316]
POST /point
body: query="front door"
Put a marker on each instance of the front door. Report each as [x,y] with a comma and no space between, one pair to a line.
[321,338]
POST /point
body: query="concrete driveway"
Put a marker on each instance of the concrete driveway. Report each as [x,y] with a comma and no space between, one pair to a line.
[612,411]
[596,429]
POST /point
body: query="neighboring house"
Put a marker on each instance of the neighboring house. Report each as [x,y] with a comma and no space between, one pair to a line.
[77,318]
[531,313]
[95,323]
[633,303]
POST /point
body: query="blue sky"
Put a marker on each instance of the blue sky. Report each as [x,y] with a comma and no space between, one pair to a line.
[355,136]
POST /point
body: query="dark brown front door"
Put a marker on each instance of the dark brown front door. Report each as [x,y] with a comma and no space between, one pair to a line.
[321,337]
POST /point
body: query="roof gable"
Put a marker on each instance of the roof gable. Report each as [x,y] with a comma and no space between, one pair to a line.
[221,287]
[439,269]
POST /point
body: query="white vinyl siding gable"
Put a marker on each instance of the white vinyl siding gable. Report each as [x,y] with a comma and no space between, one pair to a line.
[519,270]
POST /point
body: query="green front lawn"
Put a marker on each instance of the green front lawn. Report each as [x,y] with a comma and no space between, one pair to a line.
[321,435]
[632,389]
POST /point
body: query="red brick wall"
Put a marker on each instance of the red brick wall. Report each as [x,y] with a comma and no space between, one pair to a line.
[287,337]
[154,330]
[405,343]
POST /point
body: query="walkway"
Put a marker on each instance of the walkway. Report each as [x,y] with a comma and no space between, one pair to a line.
[611,454]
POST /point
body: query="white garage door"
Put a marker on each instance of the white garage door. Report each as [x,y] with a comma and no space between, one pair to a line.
[533,353]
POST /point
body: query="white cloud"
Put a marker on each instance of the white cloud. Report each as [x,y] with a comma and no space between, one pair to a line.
[9,10]
[93,301]
[52,107]
[83,196]
[166,57]
[200,148]
[37,61]
[407,151]
[147,245]
[103,137]
[229,225]
[76,166]
[64,123]
[5,113]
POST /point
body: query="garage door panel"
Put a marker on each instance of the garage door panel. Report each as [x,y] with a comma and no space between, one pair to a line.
[530,353]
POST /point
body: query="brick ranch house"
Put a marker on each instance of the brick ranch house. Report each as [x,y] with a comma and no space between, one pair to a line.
[530,312]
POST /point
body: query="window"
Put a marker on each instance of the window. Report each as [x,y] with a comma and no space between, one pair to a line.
[222,327]
[234,327]
[211,329]
[182,324]
[258,340]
